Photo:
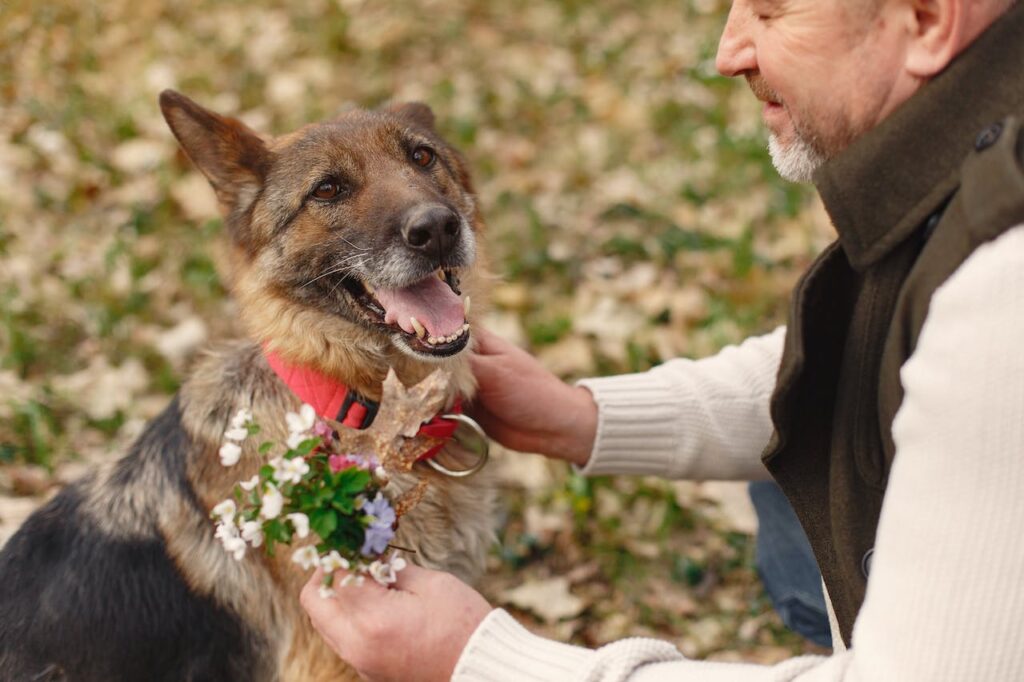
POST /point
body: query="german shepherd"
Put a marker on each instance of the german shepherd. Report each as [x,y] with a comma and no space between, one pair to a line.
[339,235]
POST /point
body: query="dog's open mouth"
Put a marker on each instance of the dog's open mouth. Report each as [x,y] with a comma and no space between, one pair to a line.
[429,316]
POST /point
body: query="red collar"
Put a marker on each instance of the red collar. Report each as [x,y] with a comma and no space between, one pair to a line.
[334,400]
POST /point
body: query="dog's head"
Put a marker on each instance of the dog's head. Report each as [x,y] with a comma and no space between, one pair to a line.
[361,230]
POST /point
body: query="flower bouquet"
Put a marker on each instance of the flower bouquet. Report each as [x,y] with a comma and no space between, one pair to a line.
[329,482]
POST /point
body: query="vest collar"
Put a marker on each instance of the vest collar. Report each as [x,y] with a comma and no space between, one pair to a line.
[890,180]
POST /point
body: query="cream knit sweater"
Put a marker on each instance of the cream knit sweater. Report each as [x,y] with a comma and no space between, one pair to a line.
[946,596]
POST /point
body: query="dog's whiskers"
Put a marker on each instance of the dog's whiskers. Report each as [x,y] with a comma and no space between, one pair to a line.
[357,248]
[337,267]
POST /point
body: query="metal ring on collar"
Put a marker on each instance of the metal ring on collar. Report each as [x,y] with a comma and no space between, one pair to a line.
[471,437]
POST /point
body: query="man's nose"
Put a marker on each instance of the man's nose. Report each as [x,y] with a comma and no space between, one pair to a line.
[736,53]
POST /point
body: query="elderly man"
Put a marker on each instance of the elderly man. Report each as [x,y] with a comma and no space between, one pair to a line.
[890,411]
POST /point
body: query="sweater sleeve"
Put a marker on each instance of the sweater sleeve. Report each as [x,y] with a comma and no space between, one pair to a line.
[699,419]
[945,596]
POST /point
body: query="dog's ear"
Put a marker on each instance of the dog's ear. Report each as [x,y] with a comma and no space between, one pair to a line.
[231,156]
[416,113]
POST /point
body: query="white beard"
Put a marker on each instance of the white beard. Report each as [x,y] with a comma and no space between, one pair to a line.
[796,161]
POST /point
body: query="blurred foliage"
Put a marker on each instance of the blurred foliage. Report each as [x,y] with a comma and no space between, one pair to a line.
[632,211]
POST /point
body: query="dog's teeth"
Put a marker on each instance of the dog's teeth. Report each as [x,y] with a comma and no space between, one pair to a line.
[369,288]
[440,275]
[432,340]
[465,306]
[420,331]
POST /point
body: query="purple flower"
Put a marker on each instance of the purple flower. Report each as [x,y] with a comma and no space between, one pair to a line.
[377,539]
[379,532]
[380,509]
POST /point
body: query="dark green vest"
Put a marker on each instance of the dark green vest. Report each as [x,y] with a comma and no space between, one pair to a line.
[911,200]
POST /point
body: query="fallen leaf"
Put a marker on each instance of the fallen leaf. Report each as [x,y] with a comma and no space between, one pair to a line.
[550,599]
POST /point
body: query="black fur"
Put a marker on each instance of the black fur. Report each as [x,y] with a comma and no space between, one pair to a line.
[79,605]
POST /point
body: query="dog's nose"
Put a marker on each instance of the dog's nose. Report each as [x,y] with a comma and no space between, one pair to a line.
[431,228]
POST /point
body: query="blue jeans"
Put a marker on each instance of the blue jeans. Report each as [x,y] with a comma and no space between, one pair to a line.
[787,566]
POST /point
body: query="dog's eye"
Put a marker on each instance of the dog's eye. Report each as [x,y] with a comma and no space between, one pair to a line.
[328,189]
[424,156]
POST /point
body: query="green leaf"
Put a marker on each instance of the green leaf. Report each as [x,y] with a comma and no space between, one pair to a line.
[265,447]
[323,497]
[304,448]
[348,537]
[323,522]
[352,480]
[343,503]
[277,530]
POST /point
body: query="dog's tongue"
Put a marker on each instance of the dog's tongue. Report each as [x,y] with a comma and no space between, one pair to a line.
[430,301]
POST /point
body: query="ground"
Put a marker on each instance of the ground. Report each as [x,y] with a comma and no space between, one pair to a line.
[631,208]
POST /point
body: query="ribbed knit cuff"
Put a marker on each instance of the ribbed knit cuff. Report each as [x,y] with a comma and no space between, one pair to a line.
[637,426]
[502,650]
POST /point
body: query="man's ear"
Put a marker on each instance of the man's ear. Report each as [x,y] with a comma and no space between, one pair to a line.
[938,32]
[417,113]
[231,156]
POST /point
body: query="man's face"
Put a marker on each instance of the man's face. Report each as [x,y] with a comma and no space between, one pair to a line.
[827,71]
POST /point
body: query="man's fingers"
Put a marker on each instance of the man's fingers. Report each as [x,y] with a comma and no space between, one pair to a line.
[487,342]
[347,599]
[490,344]
[318,608]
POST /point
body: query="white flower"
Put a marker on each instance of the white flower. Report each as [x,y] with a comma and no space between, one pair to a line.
[289,470]
[229,454]
[251,484]
[252,532]
[225,531]
[301,422]
[306,557]
[325,592]
[242,418]
[333,561]
[301,523]
[384,571]
[295,440]
[237,434]
[225,511]
[272,503]
[235,546]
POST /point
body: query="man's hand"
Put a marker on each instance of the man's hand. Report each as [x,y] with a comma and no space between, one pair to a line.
[414,632]
[525,407]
